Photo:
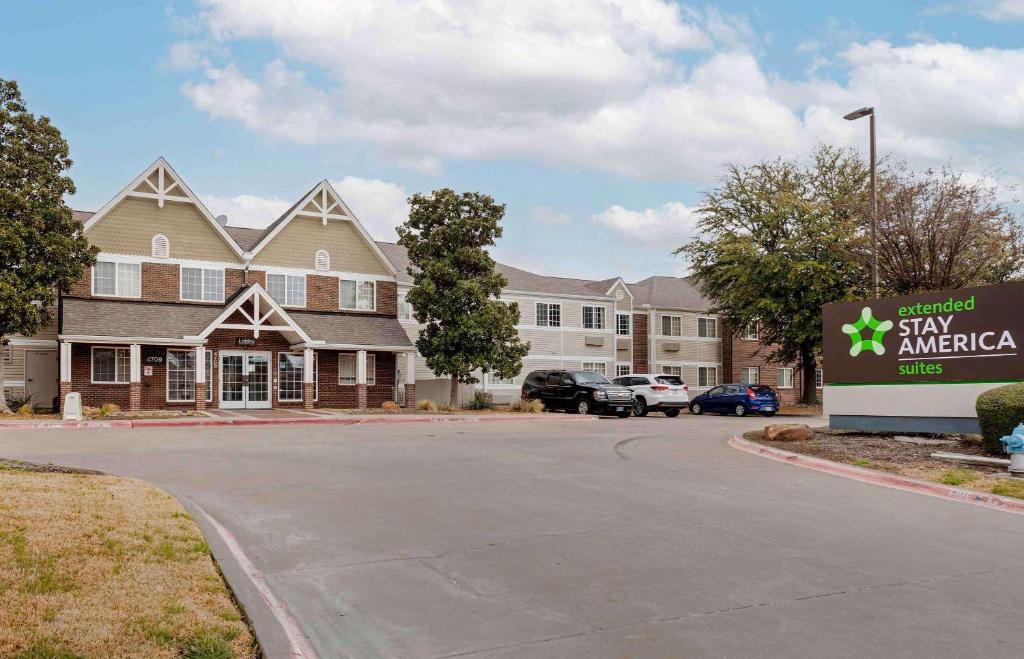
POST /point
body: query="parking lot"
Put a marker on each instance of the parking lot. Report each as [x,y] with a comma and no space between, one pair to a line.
[556,537]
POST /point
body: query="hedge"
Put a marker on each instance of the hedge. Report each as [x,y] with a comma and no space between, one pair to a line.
[1000,410]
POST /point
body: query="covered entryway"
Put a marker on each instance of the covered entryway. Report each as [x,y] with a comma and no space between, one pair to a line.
[244,379]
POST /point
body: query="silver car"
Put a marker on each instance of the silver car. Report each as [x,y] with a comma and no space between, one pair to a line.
[656,392]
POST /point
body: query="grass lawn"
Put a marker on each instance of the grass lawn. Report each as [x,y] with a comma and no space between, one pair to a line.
[98,566]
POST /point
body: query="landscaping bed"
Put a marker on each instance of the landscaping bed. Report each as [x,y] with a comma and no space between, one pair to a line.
[884,452]
[99,566]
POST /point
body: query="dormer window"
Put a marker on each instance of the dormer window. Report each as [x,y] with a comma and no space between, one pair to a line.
[161,247]
[322,260]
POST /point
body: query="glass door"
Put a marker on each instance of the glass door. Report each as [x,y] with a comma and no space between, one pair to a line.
[257,367]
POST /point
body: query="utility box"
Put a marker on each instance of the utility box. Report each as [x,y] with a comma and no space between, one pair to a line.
[73,406]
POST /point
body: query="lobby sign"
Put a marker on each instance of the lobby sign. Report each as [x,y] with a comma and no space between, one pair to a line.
[964,335]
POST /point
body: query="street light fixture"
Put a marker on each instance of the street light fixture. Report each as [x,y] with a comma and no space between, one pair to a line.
[853,116]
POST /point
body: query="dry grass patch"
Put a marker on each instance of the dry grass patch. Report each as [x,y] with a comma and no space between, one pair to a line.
[98,566]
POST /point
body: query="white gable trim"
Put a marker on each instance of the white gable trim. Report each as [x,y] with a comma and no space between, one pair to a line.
[258,320]
[619,282]
[321,196]
[176,192]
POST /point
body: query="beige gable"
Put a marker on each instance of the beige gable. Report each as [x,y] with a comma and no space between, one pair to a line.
[623,302]
[295,246]
[129,227]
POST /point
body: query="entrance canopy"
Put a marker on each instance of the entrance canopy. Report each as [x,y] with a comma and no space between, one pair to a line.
[253,309]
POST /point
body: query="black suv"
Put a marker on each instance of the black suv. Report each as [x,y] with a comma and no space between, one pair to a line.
[582,392]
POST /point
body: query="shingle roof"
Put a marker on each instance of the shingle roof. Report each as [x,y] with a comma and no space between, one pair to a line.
[669,293]
[117,318]
[352,329]
[245,237]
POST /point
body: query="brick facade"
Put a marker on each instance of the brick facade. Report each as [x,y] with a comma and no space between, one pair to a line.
[739,353]
[641,343]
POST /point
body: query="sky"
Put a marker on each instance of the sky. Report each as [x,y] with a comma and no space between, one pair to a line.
[599,123]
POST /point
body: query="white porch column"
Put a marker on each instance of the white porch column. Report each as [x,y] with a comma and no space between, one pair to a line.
[135,352]
[135,381]
[410,368]
[65,362]
[361,367]
[200,364]
[307,366]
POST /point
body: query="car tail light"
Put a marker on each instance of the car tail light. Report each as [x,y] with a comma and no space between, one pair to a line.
[750,392]
[685,388]
[659,387]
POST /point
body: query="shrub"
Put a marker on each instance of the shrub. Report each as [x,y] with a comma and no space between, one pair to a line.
[481,401]
[18,402]
[26,410]
[426,405]
[999,410]
[533,406]
[445,407]
[107,409]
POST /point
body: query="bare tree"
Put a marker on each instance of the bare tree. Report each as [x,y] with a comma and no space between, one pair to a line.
[937,230]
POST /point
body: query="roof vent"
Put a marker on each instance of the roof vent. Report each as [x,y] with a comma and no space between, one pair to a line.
[222,220]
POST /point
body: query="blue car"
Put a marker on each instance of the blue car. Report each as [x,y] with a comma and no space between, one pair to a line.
[738,399]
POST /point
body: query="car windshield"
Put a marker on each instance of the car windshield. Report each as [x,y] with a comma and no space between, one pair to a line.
[673,380]
[589,377]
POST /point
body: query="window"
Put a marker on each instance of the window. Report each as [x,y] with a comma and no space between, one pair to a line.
[549,315]
[750,333]
[749,375]
[496,380]
[404,309]
[819,378]
[111,365]
[359,295]
[785,378]
[707,376]
[288,290]
[672,370]
[290,366]
[202,284]
[622,324]
[209,376]
[181,376]
[593,317]
[371,370]
[347,368]
[622,369]
[322,260]
[707,328]
[672,325]
[160,247]
[597,367]
[119,279]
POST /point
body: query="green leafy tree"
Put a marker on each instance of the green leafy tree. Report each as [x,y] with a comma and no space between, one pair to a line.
[456,288]
[42,249]
[777,240]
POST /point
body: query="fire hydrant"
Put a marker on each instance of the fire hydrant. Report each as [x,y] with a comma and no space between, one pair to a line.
[1014,445]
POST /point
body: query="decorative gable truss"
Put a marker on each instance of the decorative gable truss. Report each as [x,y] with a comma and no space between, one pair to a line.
[261,314]
[160,182]
[324,202]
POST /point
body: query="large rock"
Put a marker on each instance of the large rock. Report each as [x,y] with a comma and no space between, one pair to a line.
[390,406]
[787,432]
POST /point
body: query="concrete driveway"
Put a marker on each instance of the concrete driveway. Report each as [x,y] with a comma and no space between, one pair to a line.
[560,538]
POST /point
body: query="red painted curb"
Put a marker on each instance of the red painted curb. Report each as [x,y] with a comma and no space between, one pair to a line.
[983,499]
[311,421]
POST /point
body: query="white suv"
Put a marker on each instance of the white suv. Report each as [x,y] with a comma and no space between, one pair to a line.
[657,392]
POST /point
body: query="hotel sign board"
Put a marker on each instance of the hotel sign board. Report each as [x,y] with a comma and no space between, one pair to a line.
[963,335]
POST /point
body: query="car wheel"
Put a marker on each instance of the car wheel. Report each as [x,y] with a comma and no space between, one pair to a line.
[583,406]
[640,407]
[741,410]
[671,413]
[696,409]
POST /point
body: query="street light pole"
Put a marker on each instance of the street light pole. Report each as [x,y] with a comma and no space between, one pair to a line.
[857,114]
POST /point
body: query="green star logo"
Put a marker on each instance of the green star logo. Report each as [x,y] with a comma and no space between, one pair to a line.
[874,342]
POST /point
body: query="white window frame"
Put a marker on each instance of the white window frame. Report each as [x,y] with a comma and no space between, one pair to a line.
[165,247]
[287,276]
[209,376]
[668,369]
[549,307]
[752,332]
[619,315]
[705,370]
[672,321]
[757,374]
[167,375]
[302,382]
[819,378]
[117,279]
[92,364]
[597,316]
[495,381]
[404,308]
[707,321]
[623,369]
[359,284]
[783,373]
[597,367]
[202,284]
[355,369]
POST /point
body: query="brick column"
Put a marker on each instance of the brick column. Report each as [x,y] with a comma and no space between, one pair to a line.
[65,389]
[410,396]
[200,396]
[135,396]
[361,396]
[200,382]
[307,395]
[308,368]
[135,386]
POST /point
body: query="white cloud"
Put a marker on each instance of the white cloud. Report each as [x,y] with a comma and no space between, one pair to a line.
[247,210]
[380,206]
[668,225]
[186,56]
[1002,10]
[546,215]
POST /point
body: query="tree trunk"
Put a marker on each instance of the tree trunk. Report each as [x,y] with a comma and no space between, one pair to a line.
[453,397]
[3,393]
[808,367]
